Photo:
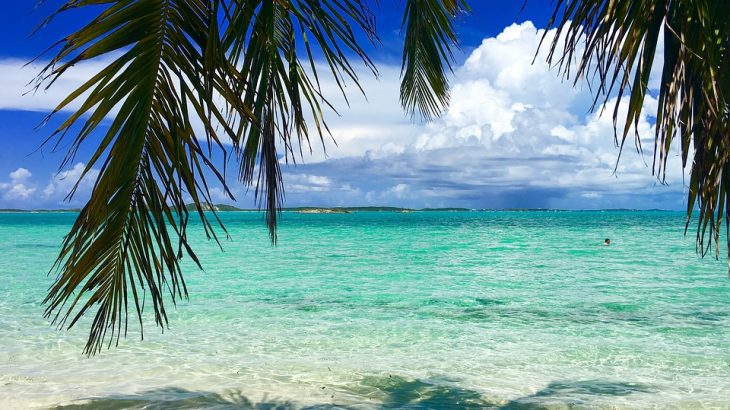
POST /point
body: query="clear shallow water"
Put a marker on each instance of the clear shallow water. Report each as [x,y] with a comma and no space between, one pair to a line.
[370,310]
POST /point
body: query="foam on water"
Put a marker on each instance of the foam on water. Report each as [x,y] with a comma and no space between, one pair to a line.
[419,310]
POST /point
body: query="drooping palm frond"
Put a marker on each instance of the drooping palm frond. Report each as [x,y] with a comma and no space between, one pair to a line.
[131,234]
[430,37]
[264,38]
[249,72]
[619,41]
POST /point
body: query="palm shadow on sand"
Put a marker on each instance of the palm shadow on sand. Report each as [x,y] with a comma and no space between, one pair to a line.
[390,392]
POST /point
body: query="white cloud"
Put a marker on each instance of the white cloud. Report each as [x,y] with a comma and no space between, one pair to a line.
[356,120]
[16,189]
[21,90]
[373,124]
[61,184]
[516,134]
[18,79]
[20,174]
[23,190]
[19,192]
[300,183]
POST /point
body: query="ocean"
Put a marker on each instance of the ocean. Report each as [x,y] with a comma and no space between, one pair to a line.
[393,310]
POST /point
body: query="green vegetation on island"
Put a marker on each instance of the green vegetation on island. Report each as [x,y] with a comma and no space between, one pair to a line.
[327,209]
[216,207]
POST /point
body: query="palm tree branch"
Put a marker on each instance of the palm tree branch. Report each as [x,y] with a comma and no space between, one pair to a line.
[121,244]
[616,42]
[262,39]
[430,37]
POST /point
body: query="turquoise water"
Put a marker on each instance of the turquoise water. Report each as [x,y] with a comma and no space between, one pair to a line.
[371,310]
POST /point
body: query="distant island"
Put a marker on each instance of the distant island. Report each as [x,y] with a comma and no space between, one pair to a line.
[328,210]
[323,211]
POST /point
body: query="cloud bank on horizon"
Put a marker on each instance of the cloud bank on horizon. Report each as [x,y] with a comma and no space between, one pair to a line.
[516,135]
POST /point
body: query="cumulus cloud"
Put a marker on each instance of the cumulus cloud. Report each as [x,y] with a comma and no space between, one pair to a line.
[516,135]
[16,189]
[18,192]
[22,190]
[20,174]
[309,183]
[62,183]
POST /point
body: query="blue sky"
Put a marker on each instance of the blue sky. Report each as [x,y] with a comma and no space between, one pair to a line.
[516,135]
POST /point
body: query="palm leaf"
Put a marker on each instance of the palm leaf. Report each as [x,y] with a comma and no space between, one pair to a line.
[123,241]
[249,71]
[616,42]
[430,37]
[264,39]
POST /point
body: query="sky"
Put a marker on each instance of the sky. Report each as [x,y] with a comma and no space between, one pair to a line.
[516,135]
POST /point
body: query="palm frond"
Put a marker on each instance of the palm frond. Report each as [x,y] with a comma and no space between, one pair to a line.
[232,65]
[264,38]
[430,37]
[619,40]
[131,235]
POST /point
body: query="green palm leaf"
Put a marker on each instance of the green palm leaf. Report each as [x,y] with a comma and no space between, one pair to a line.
[430,37]
[264,39]
[249,71]
[123,241]
[616,41]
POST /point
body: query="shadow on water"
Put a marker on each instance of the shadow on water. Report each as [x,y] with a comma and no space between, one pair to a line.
[392,392]
[575,393]
[397,392]
[177,398]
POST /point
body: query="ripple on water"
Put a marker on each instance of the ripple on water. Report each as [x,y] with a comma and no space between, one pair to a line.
[424,310]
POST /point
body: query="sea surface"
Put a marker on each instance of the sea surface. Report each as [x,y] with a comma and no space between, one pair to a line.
[394,310]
